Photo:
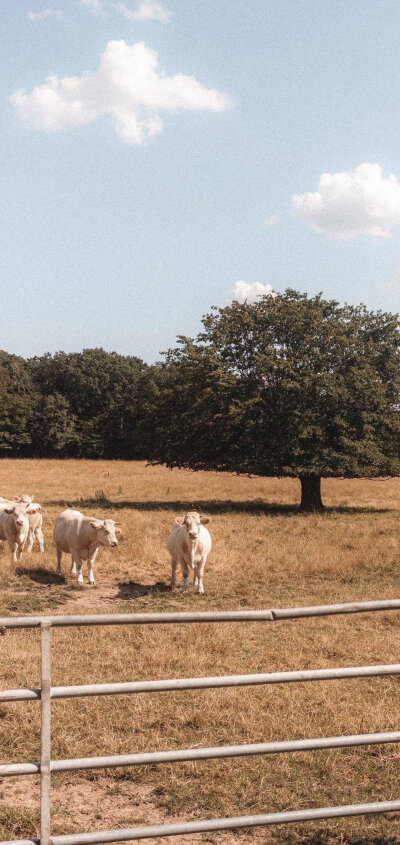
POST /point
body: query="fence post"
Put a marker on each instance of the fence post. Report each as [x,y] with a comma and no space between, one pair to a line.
[45,732]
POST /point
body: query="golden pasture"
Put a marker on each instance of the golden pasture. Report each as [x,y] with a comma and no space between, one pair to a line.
[265,554]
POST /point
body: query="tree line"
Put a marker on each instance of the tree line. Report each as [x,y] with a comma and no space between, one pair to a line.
[90,404]
[289,385]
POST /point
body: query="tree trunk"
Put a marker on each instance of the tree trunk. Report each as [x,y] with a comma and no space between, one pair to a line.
[311,493]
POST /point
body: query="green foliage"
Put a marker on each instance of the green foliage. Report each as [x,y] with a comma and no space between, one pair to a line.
[89,404]
[94,403]
[53,427]
[289,385]
[15,405]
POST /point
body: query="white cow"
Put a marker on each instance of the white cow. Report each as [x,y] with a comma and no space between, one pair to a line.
[82,536]
[35,527]
[14,526]
[190,544]
[35,518]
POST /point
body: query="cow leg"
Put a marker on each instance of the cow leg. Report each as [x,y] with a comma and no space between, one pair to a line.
[59,556]
[195,577]
[91,574]
[90,562]
[40,539]
[174,564]
[73,566]
[77,564]
[185,575]
[31,538]
[13,549]
[200,573]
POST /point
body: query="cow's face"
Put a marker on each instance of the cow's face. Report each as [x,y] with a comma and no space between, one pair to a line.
[19,516]
[106,531]
[192,522]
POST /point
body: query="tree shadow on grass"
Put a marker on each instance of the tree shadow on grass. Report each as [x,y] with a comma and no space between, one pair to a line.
[133,590]
[40,575]
[213,506]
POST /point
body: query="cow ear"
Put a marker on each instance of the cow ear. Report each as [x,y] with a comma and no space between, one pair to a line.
[179,520]
[96,523]
[205,519]
[31,509]
[17,499]
[117,523]
[118,531]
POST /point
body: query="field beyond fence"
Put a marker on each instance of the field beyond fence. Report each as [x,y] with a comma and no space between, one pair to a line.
[265,554]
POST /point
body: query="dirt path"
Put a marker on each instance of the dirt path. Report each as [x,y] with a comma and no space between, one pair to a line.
[99,599]
[105,804]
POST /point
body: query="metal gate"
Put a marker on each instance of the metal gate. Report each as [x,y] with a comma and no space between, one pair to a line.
[46,692]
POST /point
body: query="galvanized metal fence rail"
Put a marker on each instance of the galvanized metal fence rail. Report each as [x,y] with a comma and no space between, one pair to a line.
[46,692]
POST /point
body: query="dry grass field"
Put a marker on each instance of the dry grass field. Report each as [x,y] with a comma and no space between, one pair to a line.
[265,554]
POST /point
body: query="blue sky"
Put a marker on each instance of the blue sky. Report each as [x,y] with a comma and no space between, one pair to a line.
[138,194]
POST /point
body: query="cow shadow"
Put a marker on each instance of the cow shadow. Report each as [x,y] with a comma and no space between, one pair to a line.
[214,506]
[40,575]
[133,590]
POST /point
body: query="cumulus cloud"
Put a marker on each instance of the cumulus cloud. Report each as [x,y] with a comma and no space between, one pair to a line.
[352,203]
[128,86]
[46,13]
[250,291]
[273,219]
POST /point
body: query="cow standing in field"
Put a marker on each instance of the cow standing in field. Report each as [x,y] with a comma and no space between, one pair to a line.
[35,527]
[82,536]
[14,526]
[35,518]
[190,544]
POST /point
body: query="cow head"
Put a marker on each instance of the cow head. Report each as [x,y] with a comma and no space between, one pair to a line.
[106,531]
[19,515]
[192,521]
[34,507]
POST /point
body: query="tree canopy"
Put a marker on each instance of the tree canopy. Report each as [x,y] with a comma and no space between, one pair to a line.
[290,385]
[87,404]
[105,395]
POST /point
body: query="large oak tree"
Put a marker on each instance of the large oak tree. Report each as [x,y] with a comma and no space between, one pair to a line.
[290,385]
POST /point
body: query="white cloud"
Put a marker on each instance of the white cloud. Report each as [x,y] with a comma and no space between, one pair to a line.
[46,13]
[273,219]
[96,6]
[148,10]
[128,86]
[250,291]
[352,203]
